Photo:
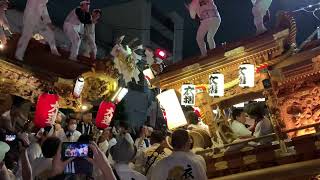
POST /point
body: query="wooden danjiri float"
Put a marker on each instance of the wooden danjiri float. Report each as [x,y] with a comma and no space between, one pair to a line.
[42,72]
[286,76]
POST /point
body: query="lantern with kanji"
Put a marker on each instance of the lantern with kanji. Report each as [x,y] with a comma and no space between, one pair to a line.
[216,85]
[246,75]
[188,95]
[46,110]
[105,114]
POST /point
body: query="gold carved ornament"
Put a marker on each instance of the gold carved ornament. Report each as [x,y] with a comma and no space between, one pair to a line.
[97,86]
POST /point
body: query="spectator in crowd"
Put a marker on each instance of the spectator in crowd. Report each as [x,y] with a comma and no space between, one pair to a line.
[123,131]
[147,159]
[182,163]
[57,128]
[4,173]
[71,133]
[42,166]
[103,141]
[85,126]
[143,142]
[122,153]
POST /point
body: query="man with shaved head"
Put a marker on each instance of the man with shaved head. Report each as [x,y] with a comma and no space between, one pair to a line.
[182,163]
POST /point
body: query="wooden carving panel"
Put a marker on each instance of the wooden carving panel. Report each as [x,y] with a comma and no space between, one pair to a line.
[16,81]
[301,107]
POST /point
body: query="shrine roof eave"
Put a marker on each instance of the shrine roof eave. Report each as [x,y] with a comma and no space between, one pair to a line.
[222,57]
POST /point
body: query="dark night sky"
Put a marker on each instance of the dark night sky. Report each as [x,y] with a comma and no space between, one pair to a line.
[237,20]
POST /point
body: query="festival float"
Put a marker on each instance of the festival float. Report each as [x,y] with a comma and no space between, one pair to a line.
[269,66]
[76,85]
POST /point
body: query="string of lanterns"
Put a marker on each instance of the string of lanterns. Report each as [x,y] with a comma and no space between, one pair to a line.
[172,108]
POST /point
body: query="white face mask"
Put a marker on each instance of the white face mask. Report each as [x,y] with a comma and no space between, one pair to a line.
[72,127]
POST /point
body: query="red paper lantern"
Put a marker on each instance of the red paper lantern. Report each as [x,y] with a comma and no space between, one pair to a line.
[105,114]
[46,110]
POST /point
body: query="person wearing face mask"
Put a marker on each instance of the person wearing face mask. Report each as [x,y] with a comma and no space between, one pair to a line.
[71,133]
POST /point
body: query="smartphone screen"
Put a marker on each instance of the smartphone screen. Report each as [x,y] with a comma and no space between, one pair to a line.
[79,151]
[10,137]
[70,150]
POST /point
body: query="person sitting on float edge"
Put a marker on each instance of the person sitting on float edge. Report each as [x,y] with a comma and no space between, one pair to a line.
[264,127]
[238,124]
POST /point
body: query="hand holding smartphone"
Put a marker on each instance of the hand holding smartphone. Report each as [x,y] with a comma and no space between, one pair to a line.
[79,151]
[75,149]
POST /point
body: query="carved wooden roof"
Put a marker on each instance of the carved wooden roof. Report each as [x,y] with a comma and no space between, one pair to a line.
[269,48]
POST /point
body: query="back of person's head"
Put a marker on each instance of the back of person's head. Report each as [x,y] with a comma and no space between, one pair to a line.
[124,125]
[192,117]
[236,112]
[179,139]
[50,147]
[256,110]
[84,138]
[123,151]
[157,137]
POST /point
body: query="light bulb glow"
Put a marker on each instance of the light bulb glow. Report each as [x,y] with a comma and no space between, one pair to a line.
[173,111]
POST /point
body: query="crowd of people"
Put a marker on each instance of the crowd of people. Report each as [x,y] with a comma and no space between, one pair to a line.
[118,153]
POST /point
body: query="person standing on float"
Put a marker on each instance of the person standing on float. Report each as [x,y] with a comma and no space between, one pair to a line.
[210,21]
[89,35]
[259,10]
[36,19]
[74,23]
[4,21]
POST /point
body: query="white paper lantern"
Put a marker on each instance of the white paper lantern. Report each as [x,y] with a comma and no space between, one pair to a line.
[188,94]
[119,95]
[216,85]
[174,114]
[148,75]
[78,87]
[246,75]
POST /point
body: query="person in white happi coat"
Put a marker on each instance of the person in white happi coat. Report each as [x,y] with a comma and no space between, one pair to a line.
[36,19]
[72,26]
[90,47]
[182,163]
[3,22]
[210,20]
[122,153]
[259,10]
